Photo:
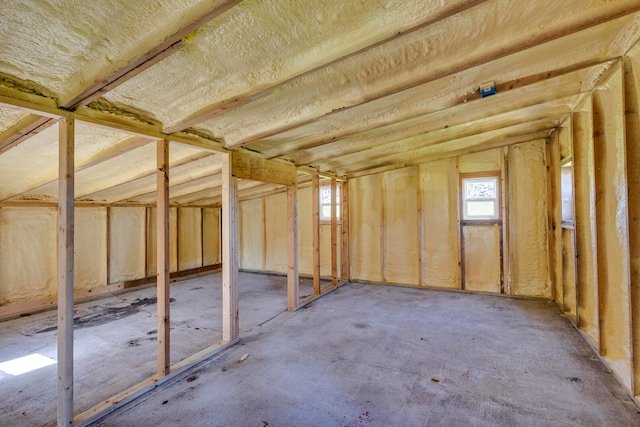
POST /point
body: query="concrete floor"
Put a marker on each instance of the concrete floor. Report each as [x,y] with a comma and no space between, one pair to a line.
[115,341]
[370,355]
[364,355]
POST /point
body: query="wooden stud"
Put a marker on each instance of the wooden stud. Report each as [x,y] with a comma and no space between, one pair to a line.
[108,241]
[632,123]
[506,254]
[334,234]
[315,202]
[163,261]
[292,247]
[421,253]
[66,144]
[346,247]
[383,237]
[230,253]
[554,217]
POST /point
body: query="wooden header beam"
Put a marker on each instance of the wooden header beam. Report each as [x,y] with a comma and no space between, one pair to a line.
[254,167]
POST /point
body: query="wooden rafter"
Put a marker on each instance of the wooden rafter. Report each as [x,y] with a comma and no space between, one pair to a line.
[236,102]
[109,153]
[462,66]
[169,46]
[521,92]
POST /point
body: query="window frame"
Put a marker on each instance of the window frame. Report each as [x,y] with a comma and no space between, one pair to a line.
[497,176]
[327,220]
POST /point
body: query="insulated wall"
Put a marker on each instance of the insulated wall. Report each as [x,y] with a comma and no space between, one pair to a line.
[405,226]
[263,234]
[113,246]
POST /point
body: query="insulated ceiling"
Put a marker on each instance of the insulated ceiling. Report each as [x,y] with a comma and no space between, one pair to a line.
[344,87]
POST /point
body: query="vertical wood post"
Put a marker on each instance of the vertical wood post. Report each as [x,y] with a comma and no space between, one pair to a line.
[554,218]
[584,191]
[632,122]
[315,203]
[65,271]
[346,251]
[292,246]
[334,234]
[162,254]
[421,253]
[230,302]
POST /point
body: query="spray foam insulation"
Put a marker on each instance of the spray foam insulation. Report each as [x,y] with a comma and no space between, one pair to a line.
[440,212]
[275,222]
[400,220]
[211,238]
[127,243]
[481,258]
[28,266]
[528,214]
[189,238]
[366,223]
[252,234]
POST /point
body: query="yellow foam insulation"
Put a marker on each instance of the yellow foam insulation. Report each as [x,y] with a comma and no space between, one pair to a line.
[211,238]
[613,229]
[121,177]
[440,212]
[31,167]
[9,117]
[287,38]
[74,56]
[528,216]
[28,265]
[605,41]
[400,223]
[366,223]
[252,234]
[90,240]
[275,219]
[152,266]
[482,161]
[127,243]
[424,54]
[325,250]
[568,272]
[482,262]
[189,238]
[305,231]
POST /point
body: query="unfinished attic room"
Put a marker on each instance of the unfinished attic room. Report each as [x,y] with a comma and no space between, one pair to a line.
[320,213]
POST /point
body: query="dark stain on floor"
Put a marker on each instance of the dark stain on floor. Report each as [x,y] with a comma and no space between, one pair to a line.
[100,315]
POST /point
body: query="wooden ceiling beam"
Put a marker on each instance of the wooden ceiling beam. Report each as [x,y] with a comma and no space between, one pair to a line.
[33,125]
[508,120]
[170,45]
[465,65]
[109,153]
[144,174]
[230,104]
[518,93]
[179,186]
[509,135]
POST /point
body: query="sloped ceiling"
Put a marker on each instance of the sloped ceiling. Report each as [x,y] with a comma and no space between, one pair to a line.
[344,87]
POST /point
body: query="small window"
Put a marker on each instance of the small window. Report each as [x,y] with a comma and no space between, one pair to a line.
[325,203]
[480,199]
[566,184]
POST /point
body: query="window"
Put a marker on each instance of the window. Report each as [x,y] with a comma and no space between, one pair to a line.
[325,203]
[566,184]
[480,199]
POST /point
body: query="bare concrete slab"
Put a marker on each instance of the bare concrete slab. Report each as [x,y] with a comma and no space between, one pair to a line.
[370,355]
[115,341]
